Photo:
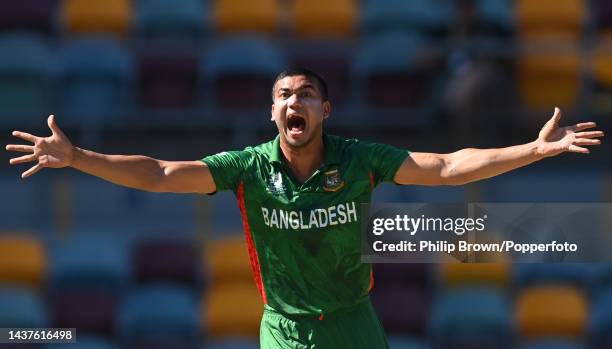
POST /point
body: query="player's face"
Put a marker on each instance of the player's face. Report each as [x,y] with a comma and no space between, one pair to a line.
[298,110]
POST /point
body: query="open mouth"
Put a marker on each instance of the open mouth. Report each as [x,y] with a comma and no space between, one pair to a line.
[296,124]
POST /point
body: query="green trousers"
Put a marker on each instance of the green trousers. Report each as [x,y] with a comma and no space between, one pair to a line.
[352,328]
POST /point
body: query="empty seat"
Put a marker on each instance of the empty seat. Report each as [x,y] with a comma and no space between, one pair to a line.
[602,10]
[553,273]
[166,260]
[233,309]
[85,342]
[97,16]
[23,78]
[22,261]
[483,274]
[21,307]
[233,344]
[600,99]
[546,311]
[403,308]
[551,17]
[228,260]
[168,76]
[30,15]
[236,16]
[600,320]
[553,343]
[321,18]
[183,19]
[549,74]
[426,16]
[471,317]
[93,76]
[238,83]
[89,311]
[159,313]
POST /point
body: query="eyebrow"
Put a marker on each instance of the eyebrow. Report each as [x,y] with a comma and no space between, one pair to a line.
[303,87]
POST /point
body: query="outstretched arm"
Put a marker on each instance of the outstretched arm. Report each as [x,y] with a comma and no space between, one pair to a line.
[469,165]
[134,171]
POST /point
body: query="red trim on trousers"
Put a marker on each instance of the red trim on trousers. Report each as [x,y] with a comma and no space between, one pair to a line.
[251,246]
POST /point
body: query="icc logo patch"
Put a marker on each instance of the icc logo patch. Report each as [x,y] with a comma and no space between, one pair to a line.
[333,182]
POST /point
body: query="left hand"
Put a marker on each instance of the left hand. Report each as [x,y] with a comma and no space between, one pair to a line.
[554,140]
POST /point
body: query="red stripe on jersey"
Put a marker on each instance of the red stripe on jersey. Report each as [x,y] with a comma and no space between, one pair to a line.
[252,250]
[371,280]
[372,180]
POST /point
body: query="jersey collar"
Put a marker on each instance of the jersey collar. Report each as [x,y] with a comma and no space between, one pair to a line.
[331,155]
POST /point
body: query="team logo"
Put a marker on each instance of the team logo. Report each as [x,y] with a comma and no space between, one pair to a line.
[333,182]
[275,183]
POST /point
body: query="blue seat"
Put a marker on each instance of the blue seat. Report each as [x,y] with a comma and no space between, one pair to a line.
[21,307]
[85,342]
[239,71]
[23,78]
[427,16]
[23,213]
[527,274]
[94,76]
[405,342]
[106,207]
[390,75]
[159,313]
[497,15]
[553,344]
[545,186]
[471,315]
[601,320]
[226,218]
[89,263]
[184,19]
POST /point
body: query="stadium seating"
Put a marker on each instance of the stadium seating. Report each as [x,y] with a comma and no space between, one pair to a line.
[234,344]
[225,216]
[93,76]
[166,260]
[471,318]
[475,274]
[238,84]
[184,19]
[602,11]
[240,16]
[91,312]
[553,344]
[24,77]
[227,260]
[321,18]
[85,342]
[97,16]
[23,260]
[529,274]
[601,72]
[29,15]
[551,17]
[600,322]
[545,311]
[18,215]
[21,307]
[430,17]
[495,17]
[159,315]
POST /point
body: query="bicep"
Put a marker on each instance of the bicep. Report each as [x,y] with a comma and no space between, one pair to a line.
[186,177]
[423,169]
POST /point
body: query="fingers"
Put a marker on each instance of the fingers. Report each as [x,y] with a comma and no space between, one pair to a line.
[576,149]
[556,116]
[53,125]
[22,159]
[25,136]
[586,141]
[21,148]
[31,171]
[591,134]
[582,126]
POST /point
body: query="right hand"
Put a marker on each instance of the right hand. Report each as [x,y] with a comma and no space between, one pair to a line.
[54,151]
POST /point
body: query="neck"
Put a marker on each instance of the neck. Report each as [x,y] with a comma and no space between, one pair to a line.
[304,161]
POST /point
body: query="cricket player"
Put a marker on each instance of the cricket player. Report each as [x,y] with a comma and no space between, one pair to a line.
[299,196]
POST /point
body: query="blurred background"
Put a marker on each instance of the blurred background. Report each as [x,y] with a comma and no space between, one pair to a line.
[182,79]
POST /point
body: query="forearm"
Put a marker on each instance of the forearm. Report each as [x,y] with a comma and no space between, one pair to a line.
[469,165]
[134,171]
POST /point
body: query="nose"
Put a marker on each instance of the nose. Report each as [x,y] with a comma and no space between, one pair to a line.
[294,100]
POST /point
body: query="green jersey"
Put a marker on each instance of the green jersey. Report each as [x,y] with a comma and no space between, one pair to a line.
[304,238]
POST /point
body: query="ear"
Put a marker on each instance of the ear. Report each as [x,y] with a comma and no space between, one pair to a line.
[326,109]
[272,112]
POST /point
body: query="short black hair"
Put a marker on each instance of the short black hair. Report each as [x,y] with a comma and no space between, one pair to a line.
[309,74]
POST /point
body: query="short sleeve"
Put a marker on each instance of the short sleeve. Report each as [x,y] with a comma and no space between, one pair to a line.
[383,160]
[228,167]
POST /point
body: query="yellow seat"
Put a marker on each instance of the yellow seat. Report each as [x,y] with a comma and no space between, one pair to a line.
[461,274]
[233,16]
[97,16]
[233,309]
[549,77]
[551,17]
[228,260]
[324,18]
[601,98]
[22,261]
[551,311]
